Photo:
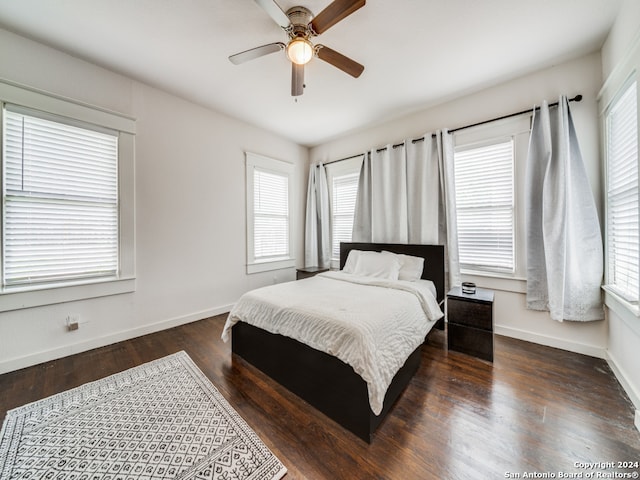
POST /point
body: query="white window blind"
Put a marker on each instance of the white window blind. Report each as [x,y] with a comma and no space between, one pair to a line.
[623,252]
[60,219]
[485,206]
[344,192]
[270,214]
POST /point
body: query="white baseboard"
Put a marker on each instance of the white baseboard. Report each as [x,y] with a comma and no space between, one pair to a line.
[627,385]
[584,349]
[48,355]
[634,394]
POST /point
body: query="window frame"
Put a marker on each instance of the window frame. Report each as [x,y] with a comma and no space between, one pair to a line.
[614,298]
[279,167]
[339,169]
[27,296]
[625,72]
[518,129]
[24,188]
[495,268]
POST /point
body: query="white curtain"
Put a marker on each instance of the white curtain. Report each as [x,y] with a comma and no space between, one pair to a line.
[387,171]
[564,243]
[448,220]
[406,195]
[423,163]
[317,251]
[362,215]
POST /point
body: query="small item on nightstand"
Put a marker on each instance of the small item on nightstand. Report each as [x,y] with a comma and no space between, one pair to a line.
[468,287]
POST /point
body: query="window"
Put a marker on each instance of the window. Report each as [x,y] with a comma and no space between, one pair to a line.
[342,180]
[484,182]
[60,200]
[623,252]
[343,204]
[68,215]
[269,216]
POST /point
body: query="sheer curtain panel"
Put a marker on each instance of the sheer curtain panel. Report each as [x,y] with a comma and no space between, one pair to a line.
[564,243]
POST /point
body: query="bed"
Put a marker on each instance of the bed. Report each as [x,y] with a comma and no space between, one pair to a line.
[327,382]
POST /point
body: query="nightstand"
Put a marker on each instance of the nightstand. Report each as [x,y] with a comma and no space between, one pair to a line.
[470,322]
[309,272]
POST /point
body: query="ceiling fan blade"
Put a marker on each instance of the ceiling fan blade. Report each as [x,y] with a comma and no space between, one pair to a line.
[333,13]
[338,60]
[257,52]
[297,79]
[275,12]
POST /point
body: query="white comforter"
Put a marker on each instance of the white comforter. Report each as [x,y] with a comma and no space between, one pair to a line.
[371,324]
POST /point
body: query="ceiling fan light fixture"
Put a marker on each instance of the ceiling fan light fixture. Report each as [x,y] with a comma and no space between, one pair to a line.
[300,51]
[300,25]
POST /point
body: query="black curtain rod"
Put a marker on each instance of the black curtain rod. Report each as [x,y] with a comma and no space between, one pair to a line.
[577,98]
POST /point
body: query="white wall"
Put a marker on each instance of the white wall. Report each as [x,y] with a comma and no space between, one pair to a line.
[624,326]
[583,76]
[190,210]
[624,32]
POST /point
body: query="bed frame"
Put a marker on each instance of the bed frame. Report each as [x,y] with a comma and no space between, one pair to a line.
[324,381]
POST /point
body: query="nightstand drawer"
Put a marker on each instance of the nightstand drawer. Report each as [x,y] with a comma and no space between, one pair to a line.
[469,340]
[472,314]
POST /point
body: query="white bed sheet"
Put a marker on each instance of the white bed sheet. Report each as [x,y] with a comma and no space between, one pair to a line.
[373,325]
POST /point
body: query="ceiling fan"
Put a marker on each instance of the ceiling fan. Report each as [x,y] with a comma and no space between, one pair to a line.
[300,25]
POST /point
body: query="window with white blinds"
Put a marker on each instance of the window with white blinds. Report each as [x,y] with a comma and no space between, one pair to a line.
[60,189]
[344,189]
[269,214]
[623,252]
[484,182]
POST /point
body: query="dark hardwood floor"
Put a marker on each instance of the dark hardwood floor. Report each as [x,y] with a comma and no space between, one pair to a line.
[535,410]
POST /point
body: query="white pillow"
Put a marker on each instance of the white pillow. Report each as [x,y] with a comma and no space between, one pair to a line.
[410,267]
[352,260]
[376,264]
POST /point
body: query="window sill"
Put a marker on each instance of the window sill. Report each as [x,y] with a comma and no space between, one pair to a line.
[626,310]
[29,297]
[616,301]
[271,265]
[496,281]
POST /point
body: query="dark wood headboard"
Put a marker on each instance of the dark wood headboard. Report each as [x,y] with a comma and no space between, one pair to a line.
[433,258]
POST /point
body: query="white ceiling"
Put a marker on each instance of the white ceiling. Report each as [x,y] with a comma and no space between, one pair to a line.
[416,52]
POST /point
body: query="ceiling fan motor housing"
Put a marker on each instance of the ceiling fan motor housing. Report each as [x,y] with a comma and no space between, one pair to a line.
[300,18]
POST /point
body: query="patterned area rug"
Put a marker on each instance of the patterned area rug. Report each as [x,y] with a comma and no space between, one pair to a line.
[161,420]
